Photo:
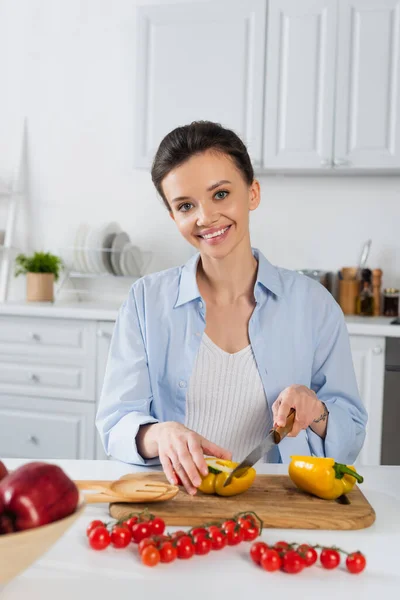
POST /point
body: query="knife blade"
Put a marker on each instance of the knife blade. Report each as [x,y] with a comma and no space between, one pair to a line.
[274,437]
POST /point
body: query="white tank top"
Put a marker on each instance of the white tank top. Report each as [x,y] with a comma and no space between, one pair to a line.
[226,402]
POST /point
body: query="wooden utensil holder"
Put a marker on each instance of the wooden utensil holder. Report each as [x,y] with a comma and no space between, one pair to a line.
[349,290]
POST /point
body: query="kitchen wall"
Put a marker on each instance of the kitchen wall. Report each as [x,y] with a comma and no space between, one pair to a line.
[69,67]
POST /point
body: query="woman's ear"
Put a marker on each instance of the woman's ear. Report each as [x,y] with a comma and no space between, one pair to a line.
[254,195]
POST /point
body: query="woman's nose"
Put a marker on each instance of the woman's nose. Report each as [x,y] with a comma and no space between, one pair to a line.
[207,215]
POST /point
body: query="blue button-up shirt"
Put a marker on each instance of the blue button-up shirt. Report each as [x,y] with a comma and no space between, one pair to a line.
[298,336]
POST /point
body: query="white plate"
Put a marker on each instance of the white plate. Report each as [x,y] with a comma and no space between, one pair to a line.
[107,236]
[79,254]
[130,261]
[120,240]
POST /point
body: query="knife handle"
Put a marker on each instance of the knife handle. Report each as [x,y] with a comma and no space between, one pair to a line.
[281,432]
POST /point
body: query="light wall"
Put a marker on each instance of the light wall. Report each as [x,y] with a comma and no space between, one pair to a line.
[69,66]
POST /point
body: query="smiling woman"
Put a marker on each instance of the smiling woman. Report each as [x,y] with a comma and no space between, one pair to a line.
[207,356]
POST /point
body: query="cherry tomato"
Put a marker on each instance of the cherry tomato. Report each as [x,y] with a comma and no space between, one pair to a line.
[308,554]
[292,562]
[356,562]
[150,556]
[146,542]
[185,547]
[99,538]
[202,545]
[257,550]
[140,531]
[329,558]
[197,530]
[120,537]
[234,536]
[92,525]
[157,526]
[213,528]
[270,560]
[250,533]
[246,522]
[168,552]
[131,522]
[218,539]
[228,525]
[178,534]
[281,546]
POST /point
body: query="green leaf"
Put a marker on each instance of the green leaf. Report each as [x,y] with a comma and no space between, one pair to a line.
[39,262]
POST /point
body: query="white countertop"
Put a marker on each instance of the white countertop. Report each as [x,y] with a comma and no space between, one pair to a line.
[71,568]
[356,325]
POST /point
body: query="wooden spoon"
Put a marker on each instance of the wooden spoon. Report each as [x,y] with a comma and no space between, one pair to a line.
[129,488]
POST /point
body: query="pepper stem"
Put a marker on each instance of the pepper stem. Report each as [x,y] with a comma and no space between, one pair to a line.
[341,470]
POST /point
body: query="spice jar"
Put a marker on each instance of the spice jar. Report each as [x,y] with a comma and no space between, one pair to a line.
[391,302]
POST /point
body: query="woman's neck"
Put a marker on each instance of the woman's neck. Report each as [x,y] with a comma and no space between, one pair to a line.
[223,281]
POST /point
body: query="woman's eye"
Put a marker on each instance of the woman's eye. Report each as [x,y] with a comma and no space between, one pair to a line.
[184,207]
[221,194]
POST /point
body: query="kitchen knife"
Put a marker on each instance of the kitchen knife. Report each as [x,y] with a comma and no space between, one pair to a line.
[275,436]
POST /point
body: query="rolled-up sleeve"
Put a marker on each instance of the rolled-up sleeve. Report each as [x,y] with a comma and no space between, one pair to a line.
[334,381]
[126,397]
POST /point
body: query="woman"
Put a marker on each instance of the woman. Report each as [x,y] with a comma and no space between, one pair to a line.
[206,357]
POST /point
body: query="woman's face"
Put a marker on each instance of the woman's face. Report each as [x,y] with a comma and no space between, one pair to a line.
[210,202]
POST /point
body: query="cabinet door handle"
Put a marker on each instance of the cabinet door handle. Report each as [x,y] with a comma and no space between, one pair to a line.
[377,350]
[34,336]
[34,377]
[341,162]
[32,439]
[103,334]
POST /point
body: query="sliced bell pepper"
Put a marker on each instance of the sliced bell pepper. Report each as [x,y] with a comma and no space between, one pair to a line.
[219,471]
[322,477]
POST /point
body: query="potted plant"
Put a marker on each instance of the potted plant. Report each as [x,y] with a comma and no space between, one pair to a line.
[42,269]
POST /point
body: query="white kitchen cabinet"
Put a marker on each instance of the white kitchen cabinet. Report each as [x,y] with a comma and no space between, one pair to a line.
[300,83]
[199,61]
[369,364]
[367,122]
[45,428]
[104,334]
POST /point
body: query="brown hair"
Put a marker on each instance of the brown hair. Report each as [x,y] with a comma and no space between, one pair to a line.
[184,142]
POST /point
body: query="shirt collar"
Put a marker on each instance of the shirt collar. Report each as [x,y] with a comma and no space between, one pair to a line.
[267,276]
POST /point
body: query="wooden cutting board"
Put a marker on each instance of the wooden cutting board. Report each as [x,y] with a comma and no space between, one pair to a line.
[274,498]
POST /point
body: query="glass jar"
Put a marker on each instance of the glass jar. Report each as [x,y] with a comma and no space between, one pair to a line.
[391,302]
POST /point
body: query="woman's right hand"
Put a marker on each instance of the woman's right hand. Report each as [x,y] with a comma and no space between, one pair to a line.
[181,452]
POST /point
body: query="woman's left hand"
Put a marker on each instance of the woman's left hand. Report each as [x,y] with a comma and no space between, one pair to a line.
[304,401]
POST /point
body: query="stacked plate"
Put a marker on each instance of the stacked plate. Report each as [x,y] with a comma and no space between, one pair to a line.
[107,249]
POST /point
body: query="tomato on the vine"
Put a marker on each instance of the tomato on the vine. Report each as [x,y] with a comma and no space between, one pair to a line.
[270,560]
[234,536]
[356,562]
[129,523]
[292,562]
[197,530]
[148,541]
[329,558]
[281,546]
[218,539]
[202,545]
[99,538]
[141,531]
[185,547]
[257,550]
[250,533]
[168,552]
[227,525]
[157,526]
[120,537]
[150,556]
[308,554]
[92,525]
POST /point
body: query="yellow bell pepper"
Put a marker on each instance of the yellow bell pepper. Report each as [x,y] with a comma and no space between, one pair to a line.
[322,477]
[219,471]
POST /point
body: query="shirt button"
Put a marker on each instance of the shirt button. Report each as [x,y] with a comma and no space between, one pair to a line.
[200,304]
[182,384]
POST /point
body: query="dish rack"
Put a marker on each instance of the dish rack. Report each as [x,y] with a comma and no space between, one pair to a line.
[71,275]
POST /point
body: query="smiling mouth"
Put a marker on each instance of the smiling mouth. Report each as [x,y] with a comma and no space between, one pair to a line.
[218,233]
